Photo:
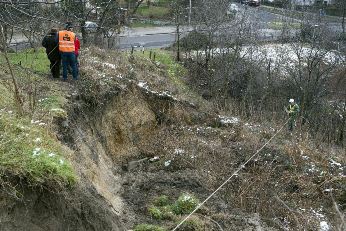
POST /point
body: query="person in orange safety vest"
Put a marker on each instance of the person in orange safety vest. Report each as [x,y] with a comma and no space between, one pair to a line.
[66,39]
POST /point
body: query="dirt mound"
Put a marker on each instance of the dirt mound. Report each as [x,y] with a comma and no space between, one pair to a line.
[36,208]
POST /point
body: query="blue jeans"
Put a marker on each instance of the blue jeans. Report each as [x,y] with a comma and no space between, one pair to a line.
[69,66]
[66,58]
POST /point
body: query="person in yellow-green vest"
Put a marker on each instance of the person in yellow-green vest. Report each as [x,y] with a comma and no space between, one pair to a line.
[292,111]
[66,39]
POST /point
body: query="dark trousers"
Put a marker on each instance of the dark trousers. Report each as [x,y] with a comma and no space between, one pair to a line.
[70,68]
[66,57]
[291,123]
[55,67]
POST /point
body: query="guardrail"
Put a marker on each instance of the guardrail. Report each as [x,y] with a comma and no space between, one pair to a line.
[18,46]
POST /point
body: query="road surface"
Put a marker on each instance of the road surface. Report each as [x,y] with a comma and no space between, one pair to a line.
[163,36]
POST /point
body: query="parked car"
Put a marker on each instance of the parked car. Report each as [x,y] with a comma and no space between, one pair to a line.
[90,26]
[232,8]
[254,3]
[244,2]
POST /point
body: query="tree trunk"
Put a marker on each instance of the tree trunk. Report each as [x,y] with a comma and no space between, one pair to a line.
[343,17]
[136,7]
[18,99]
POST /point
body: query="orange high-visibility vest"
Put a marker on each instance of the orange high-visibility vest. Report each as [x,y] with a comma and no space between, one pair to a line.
[66,41]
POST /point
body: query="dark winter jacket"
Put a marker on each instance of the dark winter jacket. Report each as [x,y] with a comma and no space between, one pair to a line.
[52,48]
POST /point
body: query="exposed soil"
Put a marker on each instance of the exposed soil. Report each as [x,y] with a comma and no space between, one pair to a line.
[115,188]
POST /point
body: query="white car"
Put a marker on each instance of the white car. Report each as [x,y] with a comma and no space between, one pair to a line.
[232,8]
[90,26]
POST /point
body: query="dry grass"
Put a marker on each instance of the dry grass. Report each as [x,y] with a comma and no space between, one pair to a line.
[293,176]
[289,183]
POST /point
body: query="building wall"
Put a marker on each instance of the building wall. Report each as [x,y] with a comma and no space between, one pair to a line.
[311,2]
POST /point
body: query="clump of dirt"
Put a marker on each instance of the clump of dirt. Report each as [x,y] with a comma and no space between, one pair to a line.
[24,207]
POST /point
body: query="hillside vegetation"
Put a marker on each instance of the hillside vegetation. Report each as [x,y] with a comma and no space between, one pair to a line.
[133,131]
[29,146]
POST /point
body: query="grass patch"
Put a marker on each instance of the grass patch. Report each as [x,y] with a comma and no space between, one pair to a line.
[28,149]
[138,24]
[297,14]
[174,70]
[161,201]
[167,66]
[331,19]
[282,26]
[154,12]
[279,20]
[34,59]
[146,227]
[193,223]
[185,204]
[155,212]
[271,10]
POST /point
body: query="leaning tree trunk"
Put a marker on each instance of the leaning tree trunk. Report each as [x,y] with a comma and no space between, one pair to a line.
[18,99]
[343,17]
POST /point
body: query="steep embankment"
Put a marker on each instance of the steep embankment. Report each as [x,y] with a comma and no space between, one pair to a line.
[143,156]
[116,143]
[128,138]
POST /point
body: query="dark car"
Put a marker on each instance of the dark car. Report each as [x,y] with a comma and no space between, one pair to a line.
[254,3]
[244,1]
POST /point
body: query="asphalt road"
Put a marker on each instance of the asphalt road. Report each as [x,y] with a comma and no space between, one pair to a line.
[149,39]
[158,37]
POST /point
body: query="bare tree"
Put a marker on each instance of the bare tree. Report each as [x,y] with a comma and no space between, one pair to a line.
[15,89]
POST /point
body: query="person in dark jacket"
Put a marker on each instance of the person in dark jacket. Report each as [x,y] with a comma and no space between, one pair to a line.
[52,50]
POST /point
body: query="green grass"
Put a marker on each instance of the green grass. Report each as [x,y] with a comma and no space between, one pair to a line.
[161,201]
[190,224]
[28,148]
[175,71]
[137,24]
[146,227]
[155,212]
[290,20]
[282,26]
[154,12]
[185,204]
[51,104]
[36,60]
[172,69]
[298,14]
[272,10]
[331,19]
